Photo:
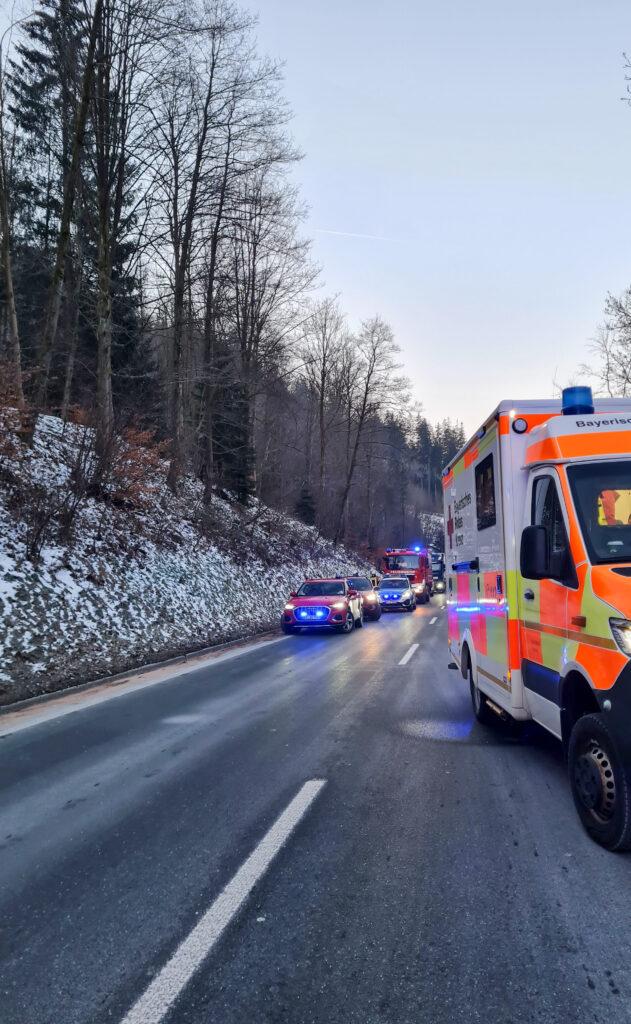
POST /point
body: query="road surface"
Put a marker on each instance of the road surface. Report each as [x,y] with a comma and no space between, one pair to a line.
[314,830]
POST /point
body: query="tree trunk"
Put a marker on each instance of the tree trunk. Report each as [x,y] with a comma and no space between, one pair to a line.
[176,464]
[104,405]
[49,329]
[15,354]
[210,339]
[12,316]
[72,331]
[322,453]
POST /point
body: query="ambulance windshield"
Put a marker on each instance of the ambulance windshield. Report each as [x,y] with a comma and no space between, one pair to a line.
[394,563]
[602,495]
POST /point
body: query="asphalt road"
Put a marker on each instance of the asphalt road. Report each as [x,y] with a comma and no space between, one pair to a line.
[162,845]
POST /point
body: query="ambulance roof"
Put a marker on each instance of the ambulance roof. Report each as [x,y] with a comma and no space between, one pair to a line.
[544,409]
[586,436]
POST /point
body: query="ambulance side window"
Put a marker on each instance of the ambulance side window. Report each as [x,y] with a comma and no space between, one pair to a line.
[485,493]
[547,511]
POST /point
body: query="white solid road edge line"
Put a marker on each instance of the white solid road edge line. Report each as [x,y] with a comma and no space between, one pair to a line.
[406,657]
[158,998]
[432,621]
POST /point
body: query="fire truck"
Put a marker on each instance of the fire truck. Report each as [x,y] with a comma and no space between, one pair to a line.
[414,563]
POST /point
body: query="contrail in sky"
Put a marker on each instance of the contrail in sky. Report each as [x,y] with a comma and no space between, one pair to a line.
[352,234]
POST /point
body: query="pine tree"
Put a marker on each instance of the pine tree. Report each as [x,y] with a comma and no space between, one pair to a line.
[43,88]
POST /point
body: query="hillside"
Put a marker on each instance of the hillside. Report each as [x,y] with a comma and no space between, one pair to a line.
[97,580]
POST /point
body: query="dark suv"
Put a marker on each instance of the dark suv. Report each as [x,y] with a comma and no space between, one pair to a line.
[369,596]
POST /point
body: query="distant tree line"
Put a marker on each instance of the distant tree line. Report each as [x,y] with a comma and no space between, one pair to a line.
[154,271]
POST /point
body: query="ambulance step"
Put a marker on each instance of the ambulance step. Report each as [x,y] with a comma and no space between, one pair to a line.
[496,708]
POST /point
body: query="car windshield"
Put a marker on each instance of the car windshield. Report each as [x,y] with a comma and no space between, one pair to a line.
[394,583]
[359,583]
[322,588]
[602,495]
[394,563]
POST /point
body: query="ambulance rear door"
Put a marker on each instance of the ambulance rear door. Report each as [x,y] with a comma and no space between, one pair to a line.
[476,564]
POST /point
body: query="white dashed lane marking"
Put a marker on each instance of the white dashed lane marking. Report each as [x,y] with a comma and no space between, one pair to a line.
[406,657]
[158,998]
[432,621]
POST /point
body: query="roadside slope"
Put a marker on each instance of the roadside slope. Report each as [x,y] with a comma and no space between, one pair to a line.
[129,582]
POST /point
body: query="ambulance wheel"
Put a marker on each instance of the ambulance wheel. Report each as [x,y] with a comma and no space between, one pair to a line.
[601,783]
[348,624]
[481,710]
[285,628]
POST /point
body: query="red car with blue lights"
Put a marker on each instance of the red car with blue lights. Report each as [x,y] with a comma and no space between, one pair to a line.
[323,604]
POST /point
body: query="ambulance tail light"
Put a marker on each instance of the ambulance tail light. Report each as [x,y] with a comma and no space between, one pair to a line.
[577,401]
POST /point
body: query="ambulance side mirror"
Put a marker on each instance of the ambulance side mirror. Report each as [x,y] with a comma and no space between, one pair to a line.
[533,557]
[293,594]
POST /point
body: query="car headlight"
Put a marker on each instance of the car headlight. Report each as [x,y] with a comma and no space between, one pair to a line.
[407,593]
[289,606]
[621,632]
[370,597]
[339,605]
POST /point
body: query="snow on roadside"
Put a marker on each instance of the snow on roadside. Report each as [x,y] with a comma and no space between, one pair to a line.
[132,589]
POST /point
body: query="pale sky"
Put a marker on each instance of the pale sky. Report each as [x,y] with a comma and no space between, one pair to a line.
[486,148]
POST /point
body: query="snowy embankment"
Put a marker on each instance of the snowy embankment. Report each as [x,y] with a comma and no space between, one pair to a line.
[135,574]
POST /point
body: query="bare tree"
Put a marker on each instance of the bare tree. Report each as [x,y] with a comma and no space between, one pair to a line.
[193,106]
[612,348]
[53,306]
[324,336]
[373,384]
[126,55]
[270,273]
[12,317]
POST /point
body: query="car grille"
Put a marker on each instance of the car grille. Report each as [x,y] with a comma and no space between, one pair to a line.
[314,614]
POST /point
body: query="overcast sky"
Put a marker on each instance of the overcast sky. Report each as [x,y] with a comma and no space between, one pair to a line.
[485,150]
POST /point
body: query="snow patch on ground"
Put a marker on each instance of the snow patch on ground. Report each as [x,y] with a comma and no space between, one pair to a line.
[133,586]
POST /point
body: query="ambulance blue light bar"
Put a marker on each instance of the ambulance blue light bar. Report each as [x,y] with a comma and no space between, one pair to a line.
[577,401]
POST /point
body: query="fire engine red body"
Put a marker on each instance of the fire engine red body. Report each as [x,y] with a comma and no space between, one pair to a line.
[416,564]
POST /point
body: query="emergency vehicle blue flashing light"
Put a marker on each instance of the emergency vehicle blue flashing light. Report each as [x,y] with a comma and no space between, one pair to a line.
[576,401]
[388,549]
[417,548]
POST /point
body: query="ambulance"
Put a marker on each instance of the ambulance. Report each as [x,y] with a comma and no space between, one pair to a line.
[538,564]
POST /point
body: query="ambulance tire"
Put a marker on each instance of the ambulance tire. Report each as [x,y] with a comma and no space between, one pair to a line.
[481,710]
[600,783]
